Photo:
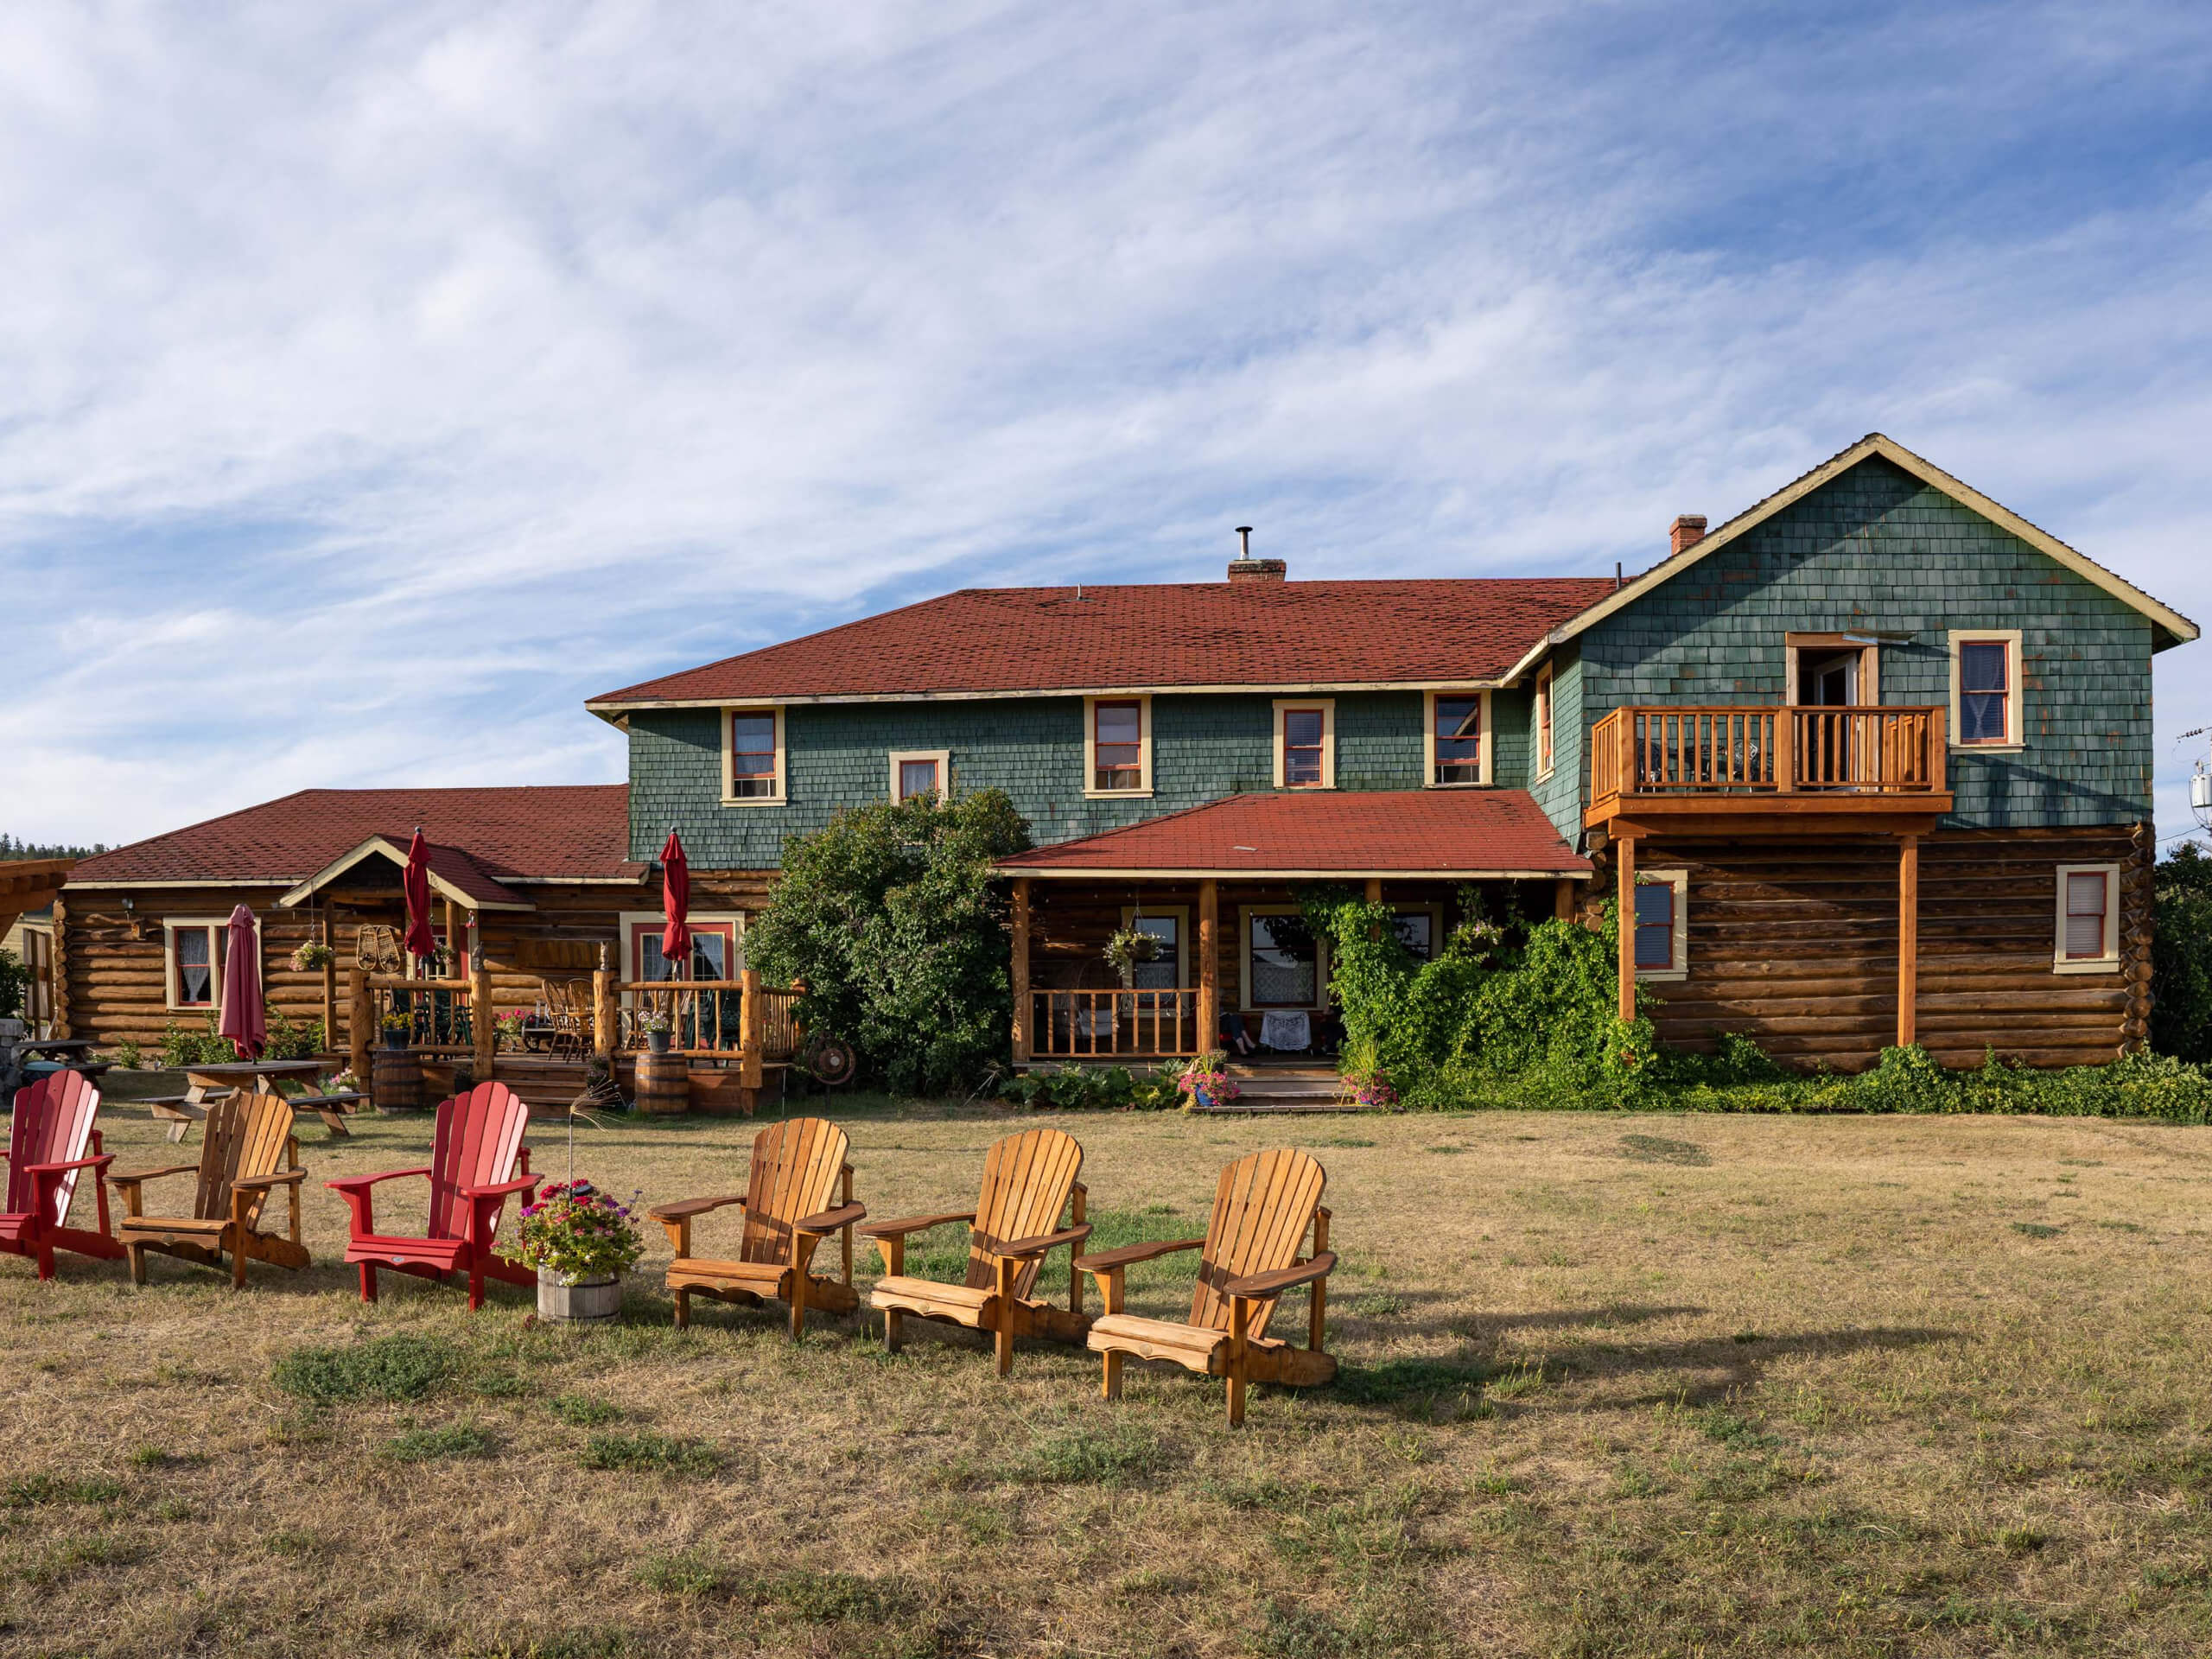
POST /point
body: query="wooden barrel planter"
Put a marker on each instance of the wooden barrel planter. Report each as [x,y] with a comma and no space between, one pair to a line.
[395,1080]
[663,1084]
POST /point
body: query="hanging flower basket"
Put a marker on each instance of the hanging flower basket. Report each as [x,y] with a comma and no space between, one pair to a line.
[312,956]
[1127,948]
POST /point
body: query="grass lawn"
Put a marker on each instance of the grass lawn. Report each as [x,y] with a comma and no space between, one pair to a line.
[1612,1385]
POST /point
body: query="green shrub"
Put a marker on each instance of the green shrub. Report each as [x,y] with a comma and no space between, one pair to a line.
[2180,957]
[888,916]
[1096,1088]
[15,980]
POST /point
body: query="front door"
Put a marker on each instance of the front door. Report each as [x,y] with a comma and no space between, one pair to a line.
[1826,679]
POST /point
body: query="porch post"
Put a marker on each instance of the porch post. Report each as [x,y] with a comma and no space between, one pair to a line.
[753,1023]
[329,995]
[480,1017]
[1019,918]
[1563,901]
[1908,941]
[453,938]
[602,1009]
[1624,855]
[1209,964]
[1374,889]
[360,1015]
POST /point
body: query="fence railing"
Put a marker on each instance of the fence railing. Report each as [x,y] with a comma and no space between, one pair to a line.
[1722,751]
[705,1016]
[1138,1024]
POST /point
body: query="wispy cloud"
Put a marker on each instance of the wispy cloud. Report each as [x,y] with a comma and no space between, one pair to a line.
[377,383]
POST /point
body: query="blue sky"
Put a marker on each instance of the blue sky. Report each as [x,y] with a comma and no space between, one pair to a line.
[379,382]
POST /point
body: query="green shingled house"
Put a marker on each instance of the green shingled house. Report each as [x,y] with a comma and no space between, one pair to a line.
[1869,763]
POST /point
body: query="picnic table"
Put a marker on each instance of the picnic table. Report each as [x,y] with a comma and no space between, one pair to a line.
[333,1110]
[181,1111]
[56,1048]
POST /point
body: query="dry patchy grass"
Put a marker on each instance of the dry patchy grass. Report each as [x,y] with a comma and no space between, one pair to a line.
[1612,1386]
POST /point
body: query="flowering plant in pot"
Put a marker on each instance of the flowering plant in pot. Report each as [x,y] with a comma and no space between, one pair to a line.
[312,956]
[655,1026]
[1369,1088]
[342,1082]
[1127,948]
[1205,1082]
[397,1027]
[581,1241]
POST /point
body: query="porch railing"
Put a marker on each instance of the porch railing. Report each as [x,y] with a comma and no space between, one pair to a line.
[1133,1023]
[1736,750]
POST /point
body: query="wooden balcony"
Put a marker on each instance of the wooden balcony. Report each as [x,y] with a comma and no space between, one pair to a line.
[1812,770]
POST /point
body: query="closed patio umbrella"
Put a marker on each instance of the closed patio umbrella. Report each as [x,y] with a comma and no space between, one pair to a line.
[416,884]
[244,1021]
[676,906]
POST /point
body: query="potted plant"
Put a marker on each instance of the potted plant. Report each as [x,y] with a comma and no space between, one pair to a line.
[342,1082]
[397,1027]
[1369,1088]
[655,1026]
[1205,1082]
[580,1242]
[1128,946]
[312,956]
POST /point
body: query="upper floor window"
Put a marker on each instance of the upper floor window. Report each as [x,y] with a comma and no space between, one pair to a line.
[1543,720]
[1459,738]
[1306,745]
[752,757]
[1117,746]
[920,772]
[1985,689]
[2088,919]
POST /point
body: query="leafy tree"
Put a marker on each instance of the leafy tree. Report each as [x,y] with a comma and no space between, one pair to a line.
[2180,957]
[886,916]
[15,980]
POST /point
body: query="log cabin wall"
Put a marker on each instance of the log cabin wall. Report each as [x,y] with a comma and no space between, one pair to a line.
[1795,943]
[111,979]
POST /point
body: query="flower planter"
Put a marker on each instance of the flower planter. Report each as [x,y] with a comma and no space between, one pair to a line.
[656,1042]
[395,1039]
[591,1301]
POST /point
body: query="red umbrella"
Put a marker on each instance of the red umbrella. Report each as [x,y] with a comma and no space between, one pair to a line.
[416,884]
[244,1021]
[676,904]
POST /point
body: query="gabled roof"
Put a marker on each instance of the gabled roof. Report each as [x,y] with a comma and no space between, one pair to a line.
[1290,636]
[2169,627]
[452,875]
[1454,834]
[577,832]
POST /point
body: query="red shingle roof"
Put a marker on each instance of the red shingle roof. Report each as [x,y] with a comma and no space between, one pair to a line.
[1262,633]
[573,830]
[1441,832]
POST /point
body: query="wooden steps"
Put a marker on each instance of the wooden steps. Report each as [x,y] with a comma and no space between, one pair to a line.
[1277,1086]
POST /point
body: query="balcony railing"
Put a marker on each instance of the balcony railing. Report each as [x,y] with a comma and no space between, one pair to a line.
[1095,1024]
[1719,752]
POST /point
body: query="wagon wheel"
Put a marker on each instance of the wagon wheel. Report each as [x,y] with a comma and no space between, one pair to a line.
[831,1061]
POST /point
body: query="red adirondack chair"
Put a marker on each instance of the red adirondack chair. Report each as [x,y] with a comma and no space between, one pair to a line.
[473,1163]
[46,1153]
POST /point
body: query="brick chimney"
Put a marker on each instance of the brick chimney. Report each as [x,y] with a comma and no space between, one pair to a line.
[1245,568]
[1686,531]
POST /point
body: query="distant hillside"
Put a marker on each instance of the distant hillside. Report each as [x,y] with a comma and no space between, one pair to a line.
[11,849]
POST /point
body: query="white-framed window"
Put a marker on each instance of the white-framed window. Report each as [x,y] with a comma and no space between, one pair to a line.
[1419,929]
[717,944]
[921,771]
[752,757]
[1456,738]
[1985,704]
[2088,922]
[1171,924]
[1541,721]
[1116,746]
[194,948]
[1662,925]
[1306,743]
[1285,964]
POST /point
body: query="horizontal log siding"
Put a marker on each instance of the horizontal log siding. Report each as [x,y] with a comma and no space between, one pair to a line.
[1794,943]
[113,986]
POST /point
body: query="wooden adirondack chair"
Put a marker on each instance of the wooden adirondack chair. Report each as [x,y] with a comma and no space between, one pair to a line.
[46,1153]
[1262,1209]
[474,1158]
[1028,1181]
[246,1149]
[798,1167]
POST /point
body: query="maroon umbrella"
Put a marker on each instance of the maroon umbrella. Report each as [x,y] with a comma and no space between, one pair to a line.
[244,1021]
[416,884]
[675,905]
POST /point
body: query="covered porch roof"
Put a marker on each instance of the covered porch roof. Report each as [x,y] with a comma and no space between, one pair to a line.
[30,884]
[453,875]
[1458,835]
